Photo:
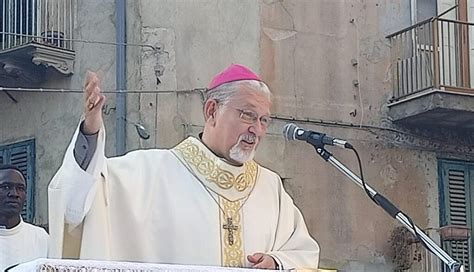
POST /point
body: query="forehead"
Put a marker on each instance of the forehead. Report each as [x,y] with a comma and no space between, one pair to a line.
[11,176]
[248,97]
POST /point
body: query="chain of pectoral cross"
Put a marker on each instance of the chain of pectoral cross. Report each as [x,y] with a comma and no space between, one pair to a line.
[229,226]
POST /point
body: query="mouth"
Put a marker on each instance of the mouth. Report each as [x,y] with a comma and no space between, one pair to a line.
[249,140]
[13,203]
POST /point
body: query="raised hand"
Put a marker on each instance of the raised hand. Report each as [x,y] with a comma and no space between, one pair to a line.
[94,100]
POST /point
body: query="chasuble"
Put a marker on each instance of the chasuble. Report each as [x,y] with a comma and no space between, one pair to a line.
[184,205]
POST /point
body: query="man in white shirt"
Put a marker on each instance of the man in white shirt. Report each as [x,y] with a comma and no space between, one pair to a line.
[19,241]
[203,202]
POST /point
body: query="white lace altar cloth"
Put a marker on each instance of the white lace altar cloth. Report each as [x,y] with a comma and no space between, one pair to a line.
[54,265]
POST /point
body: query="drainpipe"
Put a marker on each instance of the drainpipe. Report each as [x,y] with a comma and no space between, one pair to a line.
[120,76]
[413,9]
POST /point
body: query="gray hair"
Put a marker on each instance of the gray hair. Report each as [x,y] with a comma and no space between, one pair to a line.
[223,93]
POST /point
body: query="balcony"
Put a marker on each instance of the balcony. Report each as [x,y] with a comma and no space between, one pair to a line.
[431,64]
[35,35]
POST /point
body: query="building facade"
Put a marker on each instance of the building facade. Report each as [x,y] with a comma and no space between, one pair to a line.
[391,77]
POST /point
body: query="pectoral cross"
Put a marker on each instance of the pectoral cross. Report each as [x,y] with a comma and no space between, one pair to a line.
[230,230]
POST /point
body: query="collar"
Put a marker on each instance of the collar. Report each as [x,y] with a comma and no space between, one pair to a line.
[229,181]
[14,230]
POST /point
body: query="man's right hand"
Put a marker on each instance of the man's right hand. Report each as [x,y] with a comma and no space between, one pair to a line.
[94,100]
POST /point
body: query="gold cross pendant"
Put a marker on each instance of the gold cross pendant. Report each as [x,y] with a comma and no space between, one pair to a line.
[230,230]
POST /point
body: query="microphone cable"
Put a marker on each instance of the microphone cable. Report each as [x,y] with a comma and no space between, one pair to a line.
[364,185]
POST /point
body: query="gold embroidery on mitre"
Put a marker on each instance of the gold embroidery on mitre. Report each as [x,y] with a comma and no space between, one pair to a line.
[232,252]
[205,166]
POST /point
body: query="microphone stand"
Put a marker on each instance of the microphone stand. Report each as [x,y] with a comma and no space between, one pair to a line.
[392,210]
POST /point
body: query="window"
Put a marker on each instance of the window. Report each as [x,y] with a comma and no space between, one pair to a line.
[456,180]
[22,155]
[423,9]
[17,21]
[42,21]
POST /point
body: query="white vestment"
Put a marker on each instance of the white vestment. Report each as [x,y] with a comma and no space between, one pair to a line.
[179,206]
[22,243]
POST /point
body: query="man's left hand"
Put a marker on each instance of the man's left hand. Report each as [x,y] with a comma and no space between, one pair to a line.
[262,261]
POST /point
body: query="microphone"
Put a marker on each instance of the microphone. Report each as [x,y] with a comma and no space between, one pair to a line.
[293,132]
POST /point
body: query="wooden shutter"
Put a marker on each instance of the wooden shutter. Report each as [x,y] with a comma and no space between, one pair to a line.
[19,158]
[22,155]
[456,204]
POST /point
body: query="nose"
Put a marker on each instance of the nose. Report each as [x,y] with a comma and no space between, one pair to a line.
[13,192]
[258,129]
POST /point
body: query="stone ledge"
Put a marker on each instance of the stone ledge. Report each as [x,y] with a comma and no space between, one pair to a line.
[27,63]
[435,108]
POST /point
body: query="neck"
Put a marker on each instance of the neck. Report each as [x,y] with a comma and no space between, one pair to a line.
[9,222]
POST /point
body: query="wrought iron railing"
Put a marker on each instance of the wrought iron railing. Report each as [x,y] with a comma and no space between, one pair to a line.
[434,53]
[47,22]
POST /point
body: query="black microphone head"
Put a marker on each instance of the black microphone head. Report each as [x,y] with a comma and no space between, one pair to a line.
[289,131]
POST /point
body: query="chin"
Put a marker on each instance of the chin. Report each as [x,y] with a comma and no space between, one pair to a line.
[242,157]
[11,212]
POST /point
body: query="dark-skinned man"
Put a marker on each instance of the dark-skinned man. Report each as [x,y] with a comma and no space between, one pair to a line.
[19,241]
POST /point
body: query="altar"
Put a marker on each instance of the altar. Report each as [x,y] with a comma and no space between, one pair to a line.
[56,265]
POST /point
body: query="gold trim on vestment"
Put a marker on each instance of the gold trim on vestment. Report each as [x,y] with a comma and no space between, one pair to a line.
[233,254]
[232,184]
[212,172]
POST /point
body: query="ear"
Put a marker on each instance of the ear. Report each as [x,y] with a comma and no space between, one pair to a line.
[210,109]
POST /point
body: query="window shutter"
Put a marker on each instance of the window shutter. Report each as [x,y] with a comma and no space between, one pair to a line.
[457,193]
[22,155]
[456,205]
[19,158]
